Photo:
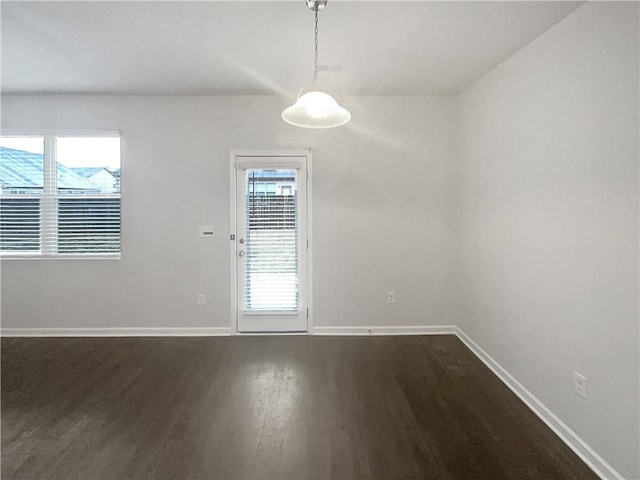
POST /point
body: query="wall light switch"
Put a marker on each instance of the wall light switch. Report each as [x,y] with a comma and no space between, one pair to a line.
[206,231]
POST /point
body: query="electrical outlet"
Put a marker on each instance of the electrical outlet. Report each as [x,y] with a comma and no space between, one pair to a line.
[391,297]
[580,384]
[202,299]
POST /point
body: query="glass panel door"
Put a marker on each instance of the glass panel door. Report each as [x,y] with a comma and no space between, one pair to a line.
[271,245]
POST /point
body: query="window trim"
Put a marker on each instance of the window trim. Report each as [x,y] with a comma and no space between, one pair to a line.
[49,136]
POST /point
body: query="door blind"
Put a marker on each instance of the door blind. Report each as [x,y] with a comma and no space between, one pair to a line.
[271,280]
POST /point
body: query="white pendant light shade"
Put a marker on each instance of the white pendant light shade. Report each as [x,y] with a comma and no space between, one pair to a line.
[316,109]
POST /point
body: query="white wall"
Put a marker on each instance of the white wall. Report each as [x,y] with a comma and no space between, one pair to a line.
[382,219]
[548,222]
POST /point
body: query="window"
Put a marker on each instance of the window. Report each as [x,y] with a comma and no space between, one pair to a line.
[60,196]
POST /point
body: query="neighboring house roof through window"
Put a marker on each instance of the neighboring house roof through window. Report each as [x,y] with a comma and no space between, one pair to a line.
[87,172]
[25,170]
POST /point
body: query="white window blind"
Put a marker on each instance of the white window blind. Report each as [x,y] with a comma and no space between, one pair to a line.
[20,224]
[272,241]
[60,196]
[88,225]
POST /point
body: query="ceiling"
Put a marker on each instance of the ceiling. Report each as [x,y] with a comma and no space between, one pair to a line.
[242,47]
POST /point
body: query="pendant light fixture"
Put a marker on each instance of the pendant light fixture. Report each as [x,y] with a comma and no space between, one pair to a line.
[315,108]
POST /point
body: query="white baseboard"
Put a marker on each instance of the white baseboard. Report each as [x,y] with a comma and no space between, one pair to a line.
[117,332]
[217,331]
[568,436]
[401,330]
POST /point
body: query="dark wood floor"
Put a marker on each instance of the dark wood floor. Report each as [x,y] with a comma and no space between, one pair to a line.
[266,407]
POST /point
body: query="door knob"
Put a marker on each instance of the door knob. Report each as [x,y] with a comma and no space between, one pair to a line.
[241,240]
[241,253]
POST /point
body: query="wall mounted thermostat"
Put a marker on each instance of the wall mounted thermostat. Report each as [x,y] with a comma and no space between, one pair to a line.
[206,231]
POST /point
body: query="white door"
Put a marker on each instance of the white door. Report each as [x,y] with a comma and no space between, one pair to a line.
[271,243]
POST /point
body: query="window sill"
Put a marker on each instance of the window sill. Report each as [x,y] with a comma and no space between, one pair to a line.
[23,256]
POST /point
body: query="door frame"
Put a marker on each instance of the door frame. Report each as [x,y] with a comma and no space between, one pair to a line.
[233,249]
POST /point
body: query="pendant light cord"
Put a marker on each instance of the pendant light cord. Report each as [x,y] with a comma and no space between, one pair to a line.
[315,64]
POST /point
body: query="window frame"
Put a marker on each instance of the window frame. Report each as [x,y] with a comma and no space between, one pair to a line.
[50,192]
